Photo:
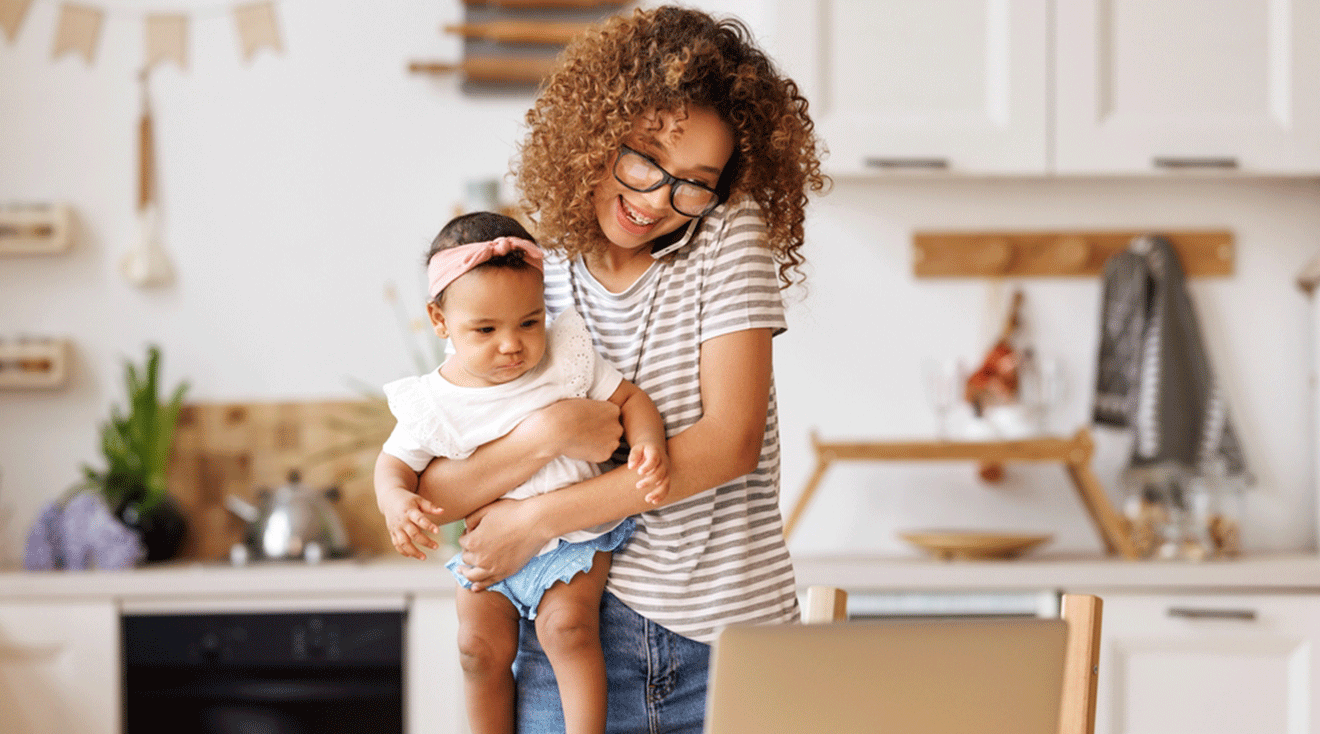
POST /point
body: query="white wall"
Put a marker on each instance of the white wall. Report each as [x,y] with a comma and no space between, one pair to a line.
[296,187]
[850,364]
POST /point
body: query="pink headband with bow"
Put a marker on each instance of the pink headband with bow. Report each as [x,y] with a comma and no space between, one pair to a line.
[446,265]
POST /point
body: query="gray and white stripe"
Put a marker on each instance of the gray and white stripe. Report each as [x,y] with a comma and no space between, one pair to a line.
[718,558]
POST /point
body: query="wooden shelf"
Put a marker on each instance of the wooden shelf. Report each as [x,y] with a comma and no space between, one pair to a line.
[515,42]
[36,230]
[1080,253]
[34,364]
[1073,453]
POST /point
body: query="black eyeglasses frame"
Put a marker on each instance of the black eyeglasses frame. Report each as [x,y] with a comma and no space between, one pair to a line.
[667,179]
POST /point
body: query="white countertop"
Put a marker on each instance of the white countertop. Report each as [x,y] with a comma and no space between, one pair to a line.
[399,577]
[1262,573]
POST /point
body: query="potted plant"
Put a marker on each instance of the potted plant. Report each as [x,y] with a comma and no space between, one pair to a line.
[136,447]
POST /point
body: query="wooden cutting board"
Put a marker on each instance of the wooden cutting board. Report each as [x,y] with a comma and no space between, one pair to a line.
[235,448]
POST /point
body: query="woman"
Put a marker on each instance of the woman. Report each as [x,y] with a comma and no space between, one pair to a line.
[667,165]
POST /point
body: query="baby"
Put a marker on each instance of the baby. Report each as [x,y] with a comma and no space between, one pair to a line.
[486,290]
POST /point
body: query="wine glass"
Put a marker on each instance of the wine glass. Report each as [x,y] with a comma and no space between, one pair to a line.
[1042,388]
[944,378]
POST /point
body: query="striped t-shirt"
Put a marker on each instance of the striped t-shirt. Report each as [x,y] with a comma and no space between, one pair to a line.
[719,557]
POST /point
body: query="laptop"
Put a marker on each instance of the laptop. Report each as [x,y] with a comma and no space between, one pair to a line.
[930,676]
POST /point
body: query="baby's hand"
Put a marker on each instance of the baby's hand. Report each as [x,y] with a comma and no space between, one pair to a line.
[651,462]
[406,519]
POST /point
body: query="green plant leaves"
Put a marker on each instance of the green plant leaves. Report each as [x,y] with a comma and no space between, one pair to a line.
[136,445]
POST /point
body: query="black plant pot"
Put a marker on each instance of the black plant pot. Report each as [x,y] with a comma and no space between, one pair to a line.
[162,527]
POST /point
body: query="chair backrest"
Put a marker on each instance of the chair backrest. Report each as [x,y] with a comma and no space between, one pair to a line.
[1081,612]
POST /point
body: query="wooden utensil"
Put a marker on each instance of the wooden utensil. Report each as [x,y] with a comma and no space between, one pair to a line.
[146,263]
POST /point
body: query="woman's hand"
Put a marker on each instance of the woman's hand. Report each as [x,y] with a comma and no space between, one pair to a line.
[500,539]
[579,428]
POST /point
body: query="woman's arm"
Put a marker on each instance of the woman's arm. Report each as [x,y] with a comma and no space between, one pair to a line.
[724,444]
[578,429]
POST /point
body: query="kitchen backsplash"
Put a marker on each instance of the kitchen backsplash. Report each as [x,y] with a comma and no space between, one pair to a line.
[236,448]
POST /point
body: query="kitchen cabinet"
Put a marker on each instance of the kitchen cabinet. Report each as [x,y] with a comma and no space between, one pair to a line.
[59,667]
[1078,87]
[433,690]
[1150,85]
[912,85]
[1208,664]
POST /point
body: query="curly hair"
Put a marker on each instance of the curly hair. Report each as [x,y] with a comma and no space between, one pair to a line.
[666,59]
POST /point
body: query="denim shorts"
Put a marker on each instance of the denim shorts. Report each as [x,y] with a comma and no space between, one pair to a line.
[526,587]
[657,679]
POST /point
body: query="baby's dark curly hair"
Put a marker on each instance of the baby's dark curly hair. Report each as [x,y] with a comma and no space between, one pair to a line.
[665,59]
[466,229]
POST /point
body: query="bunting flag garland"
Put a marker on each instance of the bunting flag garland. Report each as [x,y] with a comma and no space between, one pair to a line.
[11,16]
[79,30]
[256,28]
[167,39]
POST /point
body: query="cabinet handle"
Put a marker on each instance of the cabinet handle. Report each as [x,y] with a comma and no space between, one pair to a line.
[1208,162]
[1245,615]
[939,163]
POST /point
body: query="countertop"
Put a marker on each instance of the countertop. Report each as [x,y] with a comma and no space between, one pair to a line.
[391,576]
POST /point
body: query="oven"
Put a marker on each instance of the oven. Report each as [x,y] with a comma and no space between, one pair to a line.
[264,672]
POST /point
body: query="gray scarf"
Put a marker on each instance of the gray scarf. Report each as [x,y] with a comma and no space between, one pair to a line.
[1154,373]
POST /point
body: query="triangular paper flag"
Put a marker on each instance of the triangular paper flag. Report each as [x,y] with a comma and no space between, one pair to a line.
[167,39]
[78,30]
[11,16]
[256,28]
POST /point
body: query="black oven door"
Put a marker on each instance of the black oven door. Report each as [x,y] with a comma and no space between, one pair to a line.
[264,673]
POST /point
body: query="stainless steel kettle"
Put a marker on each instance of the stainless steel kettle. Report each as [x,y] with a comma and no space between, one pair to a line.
[289,523]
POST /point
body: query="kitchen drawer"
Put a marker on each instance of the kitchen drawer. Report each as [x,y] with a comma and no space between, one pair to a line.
[1208,664]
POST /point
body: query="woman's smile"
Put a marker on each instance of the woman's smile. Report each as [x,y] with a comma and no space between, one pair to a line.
[632,219]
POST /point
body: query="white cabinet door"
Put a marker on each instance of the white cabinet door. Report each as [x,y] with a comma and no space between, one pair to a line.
[1144,86]
[433,695]
[1224,664]
[957,85]
[59,668]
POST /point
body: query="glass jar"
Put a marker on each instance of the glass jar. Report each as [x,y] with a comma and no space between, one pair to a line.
[1223,511]
[1173,515]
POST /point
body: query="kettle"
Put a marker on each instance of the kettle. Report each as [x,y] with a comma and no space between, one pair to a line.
[292,522]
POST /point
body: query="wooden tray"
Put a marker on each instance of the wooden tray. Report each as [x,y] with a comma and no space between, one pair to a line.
[973,545]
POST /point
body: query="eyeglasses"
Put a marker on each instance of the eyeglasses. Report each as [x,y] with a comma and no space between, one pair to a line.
[640,173]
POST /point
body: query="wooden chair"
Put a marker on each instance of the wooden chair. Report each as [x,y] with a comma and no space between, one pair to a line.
[1081,612]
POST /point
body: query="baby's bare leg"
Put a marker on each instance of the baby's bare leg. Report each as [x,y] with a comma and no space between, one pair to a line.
[568,627]
[487,645]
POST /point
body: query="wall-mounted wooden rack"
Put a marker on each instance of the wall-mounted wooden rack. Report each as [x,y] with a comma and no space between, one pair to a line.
[520,31]
[1074,454]
[36,230]
[1079,253]
[34,363]
[515,42]
[493,69]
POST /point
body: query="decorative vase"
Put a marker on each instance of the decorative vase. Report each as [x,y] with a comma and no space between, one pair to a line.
[161,527]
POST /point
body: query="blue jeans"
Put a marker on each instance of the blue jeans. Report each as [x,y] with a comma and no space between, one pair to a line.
[657,679]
